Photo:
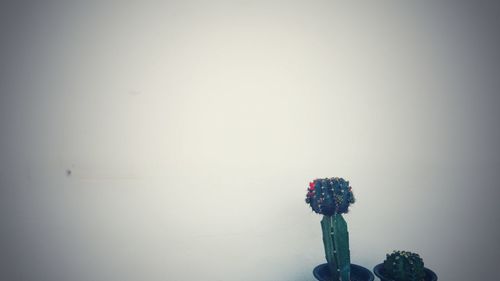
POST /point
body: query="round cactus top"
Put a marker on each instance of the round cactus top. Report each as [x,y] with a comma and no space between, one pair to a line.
[329,196]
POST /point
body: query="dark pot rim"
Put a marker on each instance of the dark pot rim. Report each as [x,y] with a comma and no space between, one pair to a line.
[356,270]
[379,272]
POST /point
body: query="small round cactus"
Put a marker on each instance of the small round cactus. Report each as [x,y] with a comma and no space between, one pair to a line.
[404,266]
[329,196]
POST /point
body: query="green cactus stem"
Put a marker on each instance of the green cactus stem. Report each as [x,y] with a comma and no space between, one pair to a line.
[336,242]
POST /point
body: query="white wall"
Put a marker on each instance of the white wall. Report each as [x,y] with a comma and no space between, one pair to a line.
[191,129]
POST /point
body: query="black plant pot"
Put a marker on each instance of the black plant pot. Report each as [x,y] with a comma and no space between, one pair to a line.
[379,271]
[358,273]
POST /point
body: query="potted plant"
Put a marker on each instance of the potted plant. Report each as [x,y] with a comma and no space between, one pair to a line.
[331,198]
[404,266]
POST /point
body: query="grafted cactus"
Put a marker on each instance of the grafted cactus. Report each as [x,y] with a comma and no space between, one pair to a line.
[404,266]
[331,197]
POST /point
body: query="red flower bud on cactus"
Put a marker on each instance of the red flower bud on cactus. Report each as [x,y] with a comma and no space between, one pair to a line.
[311,185]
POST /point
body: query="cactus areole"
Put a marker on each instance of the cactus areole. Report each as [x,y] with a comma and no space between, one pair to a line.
[331,197]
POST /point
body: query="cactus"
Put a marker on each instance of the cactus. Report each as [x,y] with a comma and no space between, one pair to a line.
[331,197]
[404,266]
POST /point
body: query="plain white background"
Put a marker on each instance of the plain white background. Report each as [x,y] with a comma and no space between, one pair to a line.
[175,141]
